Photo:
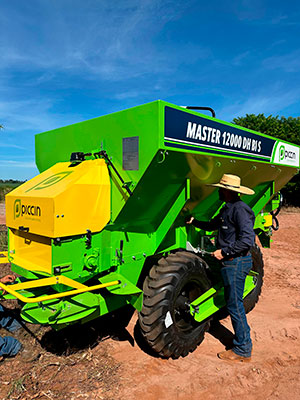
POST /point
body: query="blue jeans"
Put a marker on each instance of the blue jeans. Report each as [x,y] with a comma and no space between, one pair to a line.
[9,346]
[234,273]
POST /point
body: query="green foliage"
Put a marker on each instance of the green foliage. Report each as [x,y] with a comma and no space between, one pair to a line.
[7,186]
[10,182]
[283,128]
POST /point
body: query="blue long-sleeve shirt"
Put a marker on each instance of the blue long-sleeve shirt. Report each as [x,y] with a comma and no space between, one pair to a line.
[235,228]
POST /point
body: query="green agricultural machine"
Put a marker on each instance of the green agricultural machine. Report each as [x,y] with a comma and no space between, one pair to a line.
[103,224]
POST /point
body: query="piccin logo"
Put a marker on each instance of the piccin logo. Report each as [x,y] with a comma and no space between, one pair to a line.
[286,154]
[23,209]
[17,208]
[51,180]
[281,153]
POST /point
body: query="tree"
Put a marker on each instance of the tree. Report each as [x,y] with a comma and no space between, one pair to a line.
[283,128]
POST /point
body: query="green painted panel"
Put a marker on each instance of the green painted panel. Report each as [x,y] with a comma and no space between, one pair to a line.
[61,311]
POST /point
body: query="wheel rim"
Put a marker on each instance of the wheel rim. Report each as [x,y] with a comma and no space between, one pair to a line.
[182,317]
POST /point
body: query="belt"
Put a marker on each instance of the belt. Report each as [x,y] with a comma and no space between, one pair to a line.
[242,254]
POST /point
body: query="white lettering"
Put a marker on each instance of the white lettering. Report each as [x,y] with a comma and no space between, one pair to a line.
[290,154]
[259,146]
[191,129]
[198,133]
[213,135]
[204,133]
[209,132]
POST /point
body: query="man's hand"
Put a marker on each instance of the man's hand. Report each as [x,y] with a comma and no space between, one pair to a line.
[218,254]
[8,279]
[189,221]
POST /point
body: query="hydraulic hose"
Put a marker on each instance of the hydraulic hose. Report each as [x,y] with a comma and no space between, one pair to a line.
[274,213]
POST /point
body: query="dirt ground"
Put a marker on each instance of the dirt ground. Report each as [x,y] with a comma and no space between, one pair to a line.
[104,361]
[2,213]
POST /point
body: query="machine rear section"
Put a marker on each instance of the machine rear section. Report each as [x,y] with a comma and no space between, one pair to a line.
[50,245]
[104,227]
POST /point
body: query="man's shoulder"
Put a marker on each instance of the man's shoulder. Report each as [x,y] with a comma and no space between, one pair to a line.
[240,205]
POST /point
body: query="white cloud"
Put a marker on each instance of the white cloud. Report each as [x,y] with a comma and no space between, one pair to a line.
[13,146]
[127,95]
[17,164]
[240,58]
[99,40]
[32,115]
[287,62]
[272,103]
[248,10]
[278,19]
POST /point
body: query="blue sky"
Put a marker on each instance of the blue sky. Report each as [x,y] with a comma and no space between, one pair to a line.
[64,61]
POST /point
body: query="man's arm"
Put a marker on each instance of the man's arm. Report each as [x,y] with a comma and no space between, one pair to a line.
[211,225]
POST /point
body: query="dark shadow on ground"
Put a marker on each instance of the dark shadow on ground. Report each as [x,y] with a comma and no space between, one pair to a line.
[79,337]
[221,333]
[141,342]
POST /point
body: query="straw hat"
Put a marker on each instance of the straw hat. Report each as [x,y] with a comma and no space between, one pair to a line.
[232,182]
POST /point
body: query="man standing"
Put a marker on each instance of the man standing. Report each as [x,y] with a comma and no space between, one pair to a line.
[234,240]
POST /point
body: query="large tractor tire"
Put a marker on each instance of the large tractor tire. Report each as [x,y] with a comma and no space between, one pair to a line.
[165,321]
[258,266]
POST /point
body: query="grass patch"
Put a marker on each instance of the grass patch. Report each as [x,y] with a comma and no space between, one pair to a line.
[17,388]
[3,240]
[3,192]
[7,186]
